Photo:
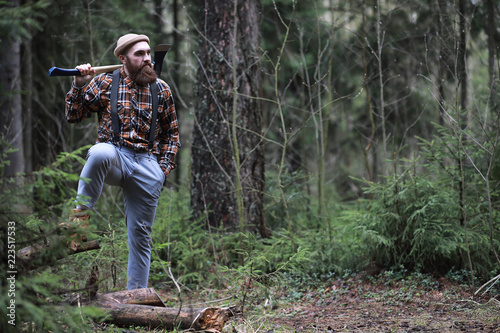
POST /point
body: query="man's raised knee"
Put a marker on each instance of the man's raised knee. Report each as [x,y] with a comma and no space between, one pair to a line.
[101,152]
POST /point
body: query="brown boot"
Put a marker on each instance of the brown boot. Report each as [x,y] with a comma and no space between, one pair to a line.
[78,221]
[79,215]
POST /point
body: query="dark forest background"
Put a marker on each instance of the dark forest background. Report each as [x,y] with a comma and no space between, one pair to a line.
[318,138]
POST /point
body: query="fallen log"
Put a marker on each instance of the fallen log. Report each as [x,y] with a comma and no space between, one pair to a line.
[30,253]
[144,307]
[45,253]
[144,296]
[153,317]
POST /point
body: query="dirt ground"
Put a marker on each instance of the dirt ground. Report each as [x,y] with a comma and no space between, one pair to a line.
[361,305]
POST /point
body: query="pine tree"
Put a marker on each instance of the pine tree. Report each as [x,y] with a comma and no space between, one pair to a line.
[227,153]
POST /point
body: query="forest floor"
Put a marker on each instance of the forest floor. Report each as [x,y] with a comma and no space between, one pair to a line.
[358,303]
[374,305]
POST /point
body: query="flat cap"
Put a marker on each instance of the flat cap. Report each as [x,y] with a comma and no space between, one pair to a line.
[125,41]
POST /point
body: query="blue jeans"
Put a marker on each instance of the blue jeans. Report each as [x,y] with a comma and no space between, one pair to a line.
[141,178]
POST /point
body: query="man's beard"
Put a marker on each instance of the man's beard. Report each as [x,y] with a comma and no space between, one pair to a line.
[142,75]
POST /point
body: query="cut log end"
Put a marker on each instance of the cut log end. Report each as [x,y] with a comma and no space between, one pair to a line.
[214,319]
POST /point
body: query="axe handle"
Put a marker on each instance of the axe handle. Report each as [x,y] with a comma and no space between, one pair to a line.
[56,71]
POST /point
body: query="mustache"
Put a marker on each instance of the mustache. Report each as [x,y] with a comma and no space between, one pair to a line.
[148,71]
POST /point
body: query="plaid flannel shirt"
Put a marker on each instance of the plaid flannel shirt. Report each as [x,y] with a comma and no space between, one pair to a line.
[134,113]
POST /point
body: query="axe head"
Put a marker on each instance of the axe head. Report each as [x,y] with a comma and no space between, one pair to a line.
[159,54]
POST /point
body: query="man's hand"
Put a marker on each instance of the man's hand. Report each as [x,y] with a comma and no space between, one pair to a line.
[87,74]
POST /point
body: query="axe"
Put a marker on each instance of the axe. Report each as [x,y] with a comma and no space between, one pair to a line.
[159,54]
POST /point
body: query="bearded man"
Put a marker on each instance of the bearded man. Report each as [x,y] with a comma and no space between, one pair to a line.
[135,148]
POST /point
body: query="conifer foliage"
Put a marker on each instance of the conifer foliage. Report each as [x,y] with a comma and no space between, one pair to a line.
[318,138]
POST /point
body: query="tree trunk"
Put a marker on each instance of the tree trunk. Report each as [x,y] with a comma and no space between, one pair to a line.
[27,104]
[492,53]
[462,61]
[443,24]
[11,129]
[175,73]
[222,161]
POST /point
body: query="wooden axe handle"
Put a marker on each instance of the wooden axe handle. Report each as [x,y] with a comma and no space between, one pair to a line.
[56,71]
[159,50]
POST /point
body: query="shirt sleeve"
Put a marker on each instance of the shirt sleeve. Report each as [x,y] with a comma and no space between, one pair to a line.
[169,134]
[82,102]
